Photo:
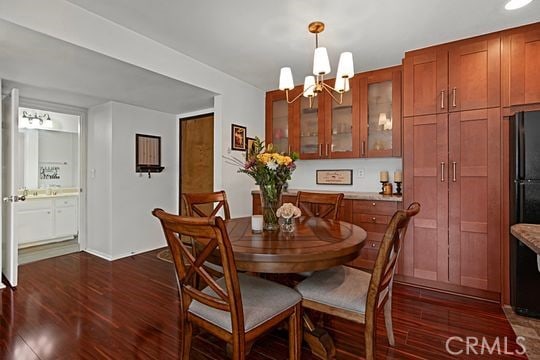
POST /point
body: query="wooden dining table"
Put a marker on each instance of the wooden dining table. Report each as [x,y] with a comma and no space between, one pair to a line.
[315,244]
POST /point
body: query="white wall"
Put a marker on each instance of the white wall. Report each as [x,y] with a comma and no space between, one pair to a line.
[304,175]
[238,102]
[120,223]
[134,195]
[99,193]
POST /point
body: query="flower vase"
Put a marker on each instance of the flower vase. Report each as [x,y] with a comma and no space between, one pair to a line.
[287,226]
[270,200]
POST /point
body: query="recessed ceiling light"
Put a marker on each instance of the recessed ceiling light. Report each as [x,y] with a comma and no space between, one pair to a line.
[516,4]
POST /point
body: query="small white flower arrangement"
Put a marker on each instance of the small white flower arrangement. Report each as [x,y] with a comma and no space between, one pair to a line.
[288,211]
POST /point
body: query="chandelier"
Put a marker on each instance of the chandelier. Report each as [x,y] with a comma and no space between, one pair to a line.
[314,85]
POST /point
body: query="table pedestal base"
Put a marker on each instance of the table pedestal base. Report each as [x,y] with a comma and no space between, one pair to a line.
[319,340]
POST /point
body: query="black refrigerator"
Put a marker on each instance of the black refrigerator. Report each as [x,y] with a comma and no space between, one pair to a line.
[524,208]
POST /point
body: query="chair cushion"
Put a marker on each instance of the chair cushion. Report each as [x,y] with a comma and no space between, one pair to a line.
[341,287]
[261,299]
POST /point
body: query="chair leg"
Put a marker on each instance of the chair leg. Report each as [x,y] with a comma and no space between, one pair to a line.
[295,333]
[186,340]
[370,332]
[388,321]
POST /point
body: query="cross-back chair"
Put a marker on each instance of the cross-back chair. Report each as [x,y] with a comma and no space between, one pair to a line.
[195,204]
[324,205]
[358,295]
[237,307]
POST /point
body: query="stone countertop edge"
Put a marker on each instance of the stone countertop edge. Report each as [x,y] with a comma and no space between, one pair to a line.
[529,234]
[351,195]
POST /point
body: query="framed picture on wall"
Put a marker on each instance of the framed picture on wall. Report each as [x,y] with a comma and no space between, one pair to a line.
[238,137]
[250,148]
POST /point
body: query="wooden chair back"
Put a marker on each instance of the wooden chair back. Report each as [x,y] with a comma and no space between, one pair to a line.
[323,205]
[213,234]
[195,203]
[387,257]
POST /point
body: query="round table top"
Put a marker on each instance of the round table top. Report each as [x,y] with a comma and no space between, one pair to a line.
[315,244]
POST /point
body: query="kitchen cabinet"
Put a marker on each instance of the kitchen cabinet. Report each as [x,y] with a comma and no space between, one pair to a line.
[329,130]
[372,216]
[452,168]
[281,129]
[464,75]
[521,72]
[40,220]
[380,113]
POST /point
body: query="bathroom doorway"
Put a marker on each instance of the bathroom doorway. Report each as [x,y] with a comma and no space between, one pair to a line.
[48,222]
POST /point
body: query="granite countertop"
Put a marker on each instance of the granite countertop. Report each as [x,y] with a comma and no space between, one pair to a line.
[529,234]
[352,195]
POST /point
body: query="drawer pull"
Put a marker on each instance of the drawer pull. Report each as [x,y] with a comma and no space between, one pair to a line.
[373,244]
[373,204]
[374,219]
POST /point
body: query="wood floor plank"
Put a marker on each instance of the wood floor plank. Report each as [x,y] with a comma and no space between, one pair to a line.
[79,306]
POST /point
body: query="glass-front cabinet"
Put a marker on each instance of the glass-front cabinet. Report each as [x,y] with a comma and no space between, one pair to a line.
[342,120]
[280,125]
[381,113]
[311,133]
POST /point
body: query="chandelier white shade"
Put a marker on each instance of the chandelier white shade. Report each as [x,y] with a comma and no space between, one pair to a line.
[313,85]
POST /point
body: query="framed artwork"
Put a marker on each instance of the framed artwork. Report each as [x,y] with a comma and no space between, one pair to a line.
[148,153]
[334,177]
[238,137]
[250,147]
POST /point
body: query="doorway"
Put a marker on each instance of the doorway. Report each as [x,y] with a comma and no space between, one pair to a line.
[196,156]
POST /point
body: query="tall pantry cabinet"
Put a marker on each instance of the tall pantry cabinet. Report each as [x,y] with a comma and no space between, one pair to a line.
[452,153]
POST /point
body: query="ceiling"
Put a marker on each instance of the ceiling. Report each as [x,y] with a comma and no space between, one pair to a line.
[252,39]
[248,39]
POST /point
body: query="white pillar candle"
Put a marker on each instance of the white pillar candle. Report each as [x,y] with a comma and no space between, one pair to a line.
[398,176]
[257,223]
[383,176]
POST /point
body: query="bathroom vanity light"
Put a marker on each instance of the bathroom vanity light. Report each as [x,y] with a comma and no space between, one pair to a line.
[34,121]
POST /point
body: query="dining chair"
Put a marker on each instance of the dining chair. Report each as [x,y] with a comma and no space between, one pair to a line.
[236,308]
[324,205]
[195,204]
[357,295]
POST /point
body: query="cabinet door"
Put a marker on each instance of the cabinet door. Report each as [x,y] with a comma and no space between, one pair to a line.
[311,124]
[34,225]
[65,221]
[425,79]
[380,113]
[524,77]
[474,204]
[425,249]
[474,73]
[342,124]
[280,129]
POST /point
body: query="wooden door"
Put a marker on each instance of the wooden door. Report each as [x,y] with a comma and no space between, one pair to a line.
[425,250]
[474,198]
[196,156]
[474,73]
[523,58]
[425,79]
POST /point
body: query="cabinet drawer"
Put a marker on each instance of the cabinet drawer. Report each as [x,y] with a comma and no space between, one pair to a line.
[368,255]
[372,218]
[65,202]
[34,204]
[369,226]
[375,207]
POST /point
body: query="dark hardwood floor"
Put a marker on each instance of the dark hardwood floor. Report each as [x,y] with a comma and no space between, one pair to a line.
[79,306]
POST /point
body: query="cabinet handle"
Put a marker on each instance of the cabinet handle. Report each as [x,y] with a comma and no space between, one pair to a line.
[373,244]
[59,211]
[442,99]
[48,212]
[327,147]
[454,171]
[289,149]
[363,148]
[442,171]
[320,150]
[374,219]
[454,97]
[373,204]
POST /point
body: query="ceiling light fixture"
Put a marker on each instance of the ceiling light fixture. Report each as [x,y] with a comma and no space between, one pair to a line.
[516,4]
[314,85]
[43,120]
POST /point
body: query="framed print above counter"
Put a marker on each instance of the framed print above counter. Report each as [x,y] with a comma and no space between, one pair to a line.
[334,177]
